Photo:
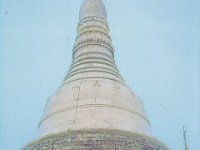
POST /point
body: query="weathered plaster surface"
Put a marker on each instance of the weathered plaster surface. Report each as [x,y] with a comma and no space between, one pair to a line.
[94,98]
[96,139]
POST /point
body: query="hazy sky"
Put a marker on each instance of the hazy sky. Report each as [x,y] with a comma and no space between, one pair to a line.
[157,49]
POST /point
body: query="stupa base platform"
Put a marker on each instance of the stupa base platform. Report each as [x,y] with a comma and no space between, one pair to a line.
[96,140]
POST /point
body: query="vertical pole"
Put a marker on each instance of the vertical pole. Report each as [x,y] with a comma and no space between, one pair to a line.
[185,139]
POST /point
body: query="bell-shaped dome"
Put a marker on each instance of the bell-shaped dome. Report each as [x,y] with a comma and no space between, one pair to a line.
[94,108]
[93,8]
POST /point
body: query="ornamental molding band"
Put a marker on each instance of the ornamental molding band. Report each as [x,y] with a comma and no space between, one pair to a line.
[94,108]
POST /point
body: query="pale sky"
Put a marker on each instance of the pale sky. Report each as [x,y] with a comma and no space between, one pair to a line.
[157,50]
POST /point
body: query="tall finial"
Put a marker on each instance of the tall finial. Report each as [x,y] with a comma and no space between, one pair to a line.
[185,140]
[94,8]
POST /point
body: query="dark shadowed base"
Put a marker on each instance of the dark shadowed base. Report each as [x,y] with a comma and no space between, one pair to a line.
[96,140]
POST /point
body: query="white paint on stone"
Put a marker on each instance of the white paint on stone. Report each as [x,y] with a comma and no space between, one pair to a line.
[93,94]
[93,8]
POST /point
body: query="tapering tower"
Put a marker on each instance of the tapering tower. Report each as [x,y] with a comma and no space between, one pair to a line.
[94,108]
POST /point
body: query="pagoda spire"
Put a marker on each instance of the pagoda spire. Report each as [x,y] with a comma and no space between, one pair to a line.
[93,53]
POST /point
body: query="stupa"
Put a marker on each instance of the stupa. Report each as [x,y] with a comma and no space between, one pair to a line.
[94,109]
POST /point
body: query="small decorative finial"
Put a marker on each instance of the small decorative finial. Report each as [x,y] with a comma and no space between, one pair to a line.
[94,8]
[185,139]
